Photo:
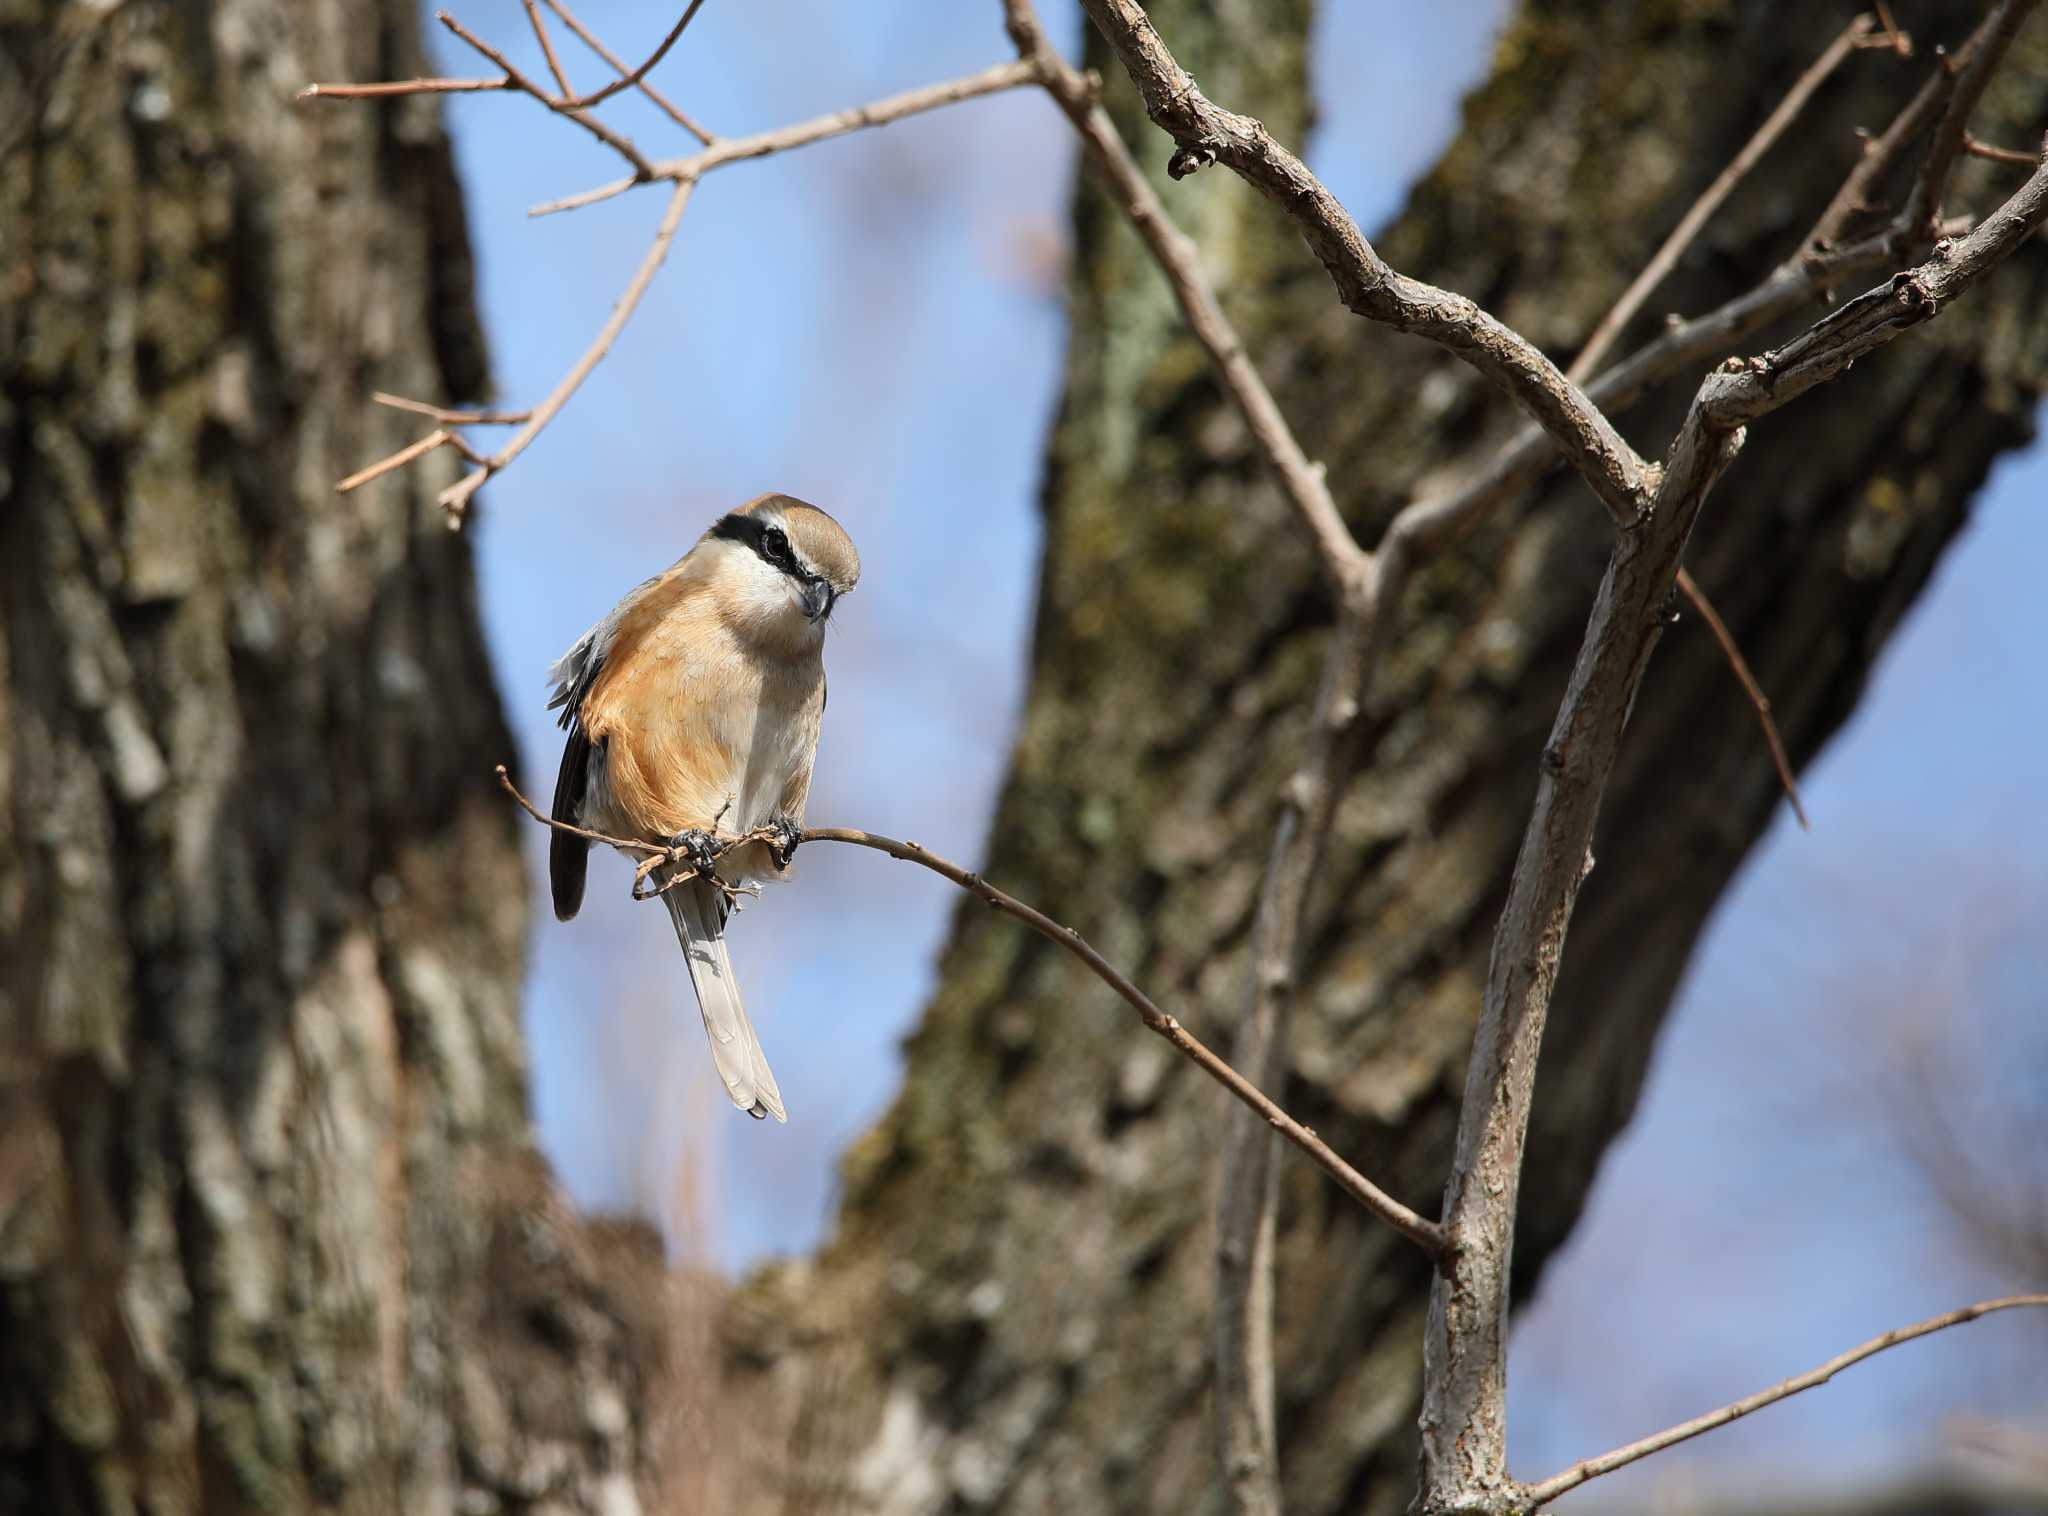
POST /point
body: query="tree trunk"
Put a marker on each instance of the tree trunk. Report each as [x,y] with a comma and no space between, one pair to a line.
[1013,1313]
[272,1233]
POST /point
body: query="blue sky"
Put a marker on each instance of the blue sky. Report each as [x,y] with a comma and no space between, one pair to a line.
[875,324]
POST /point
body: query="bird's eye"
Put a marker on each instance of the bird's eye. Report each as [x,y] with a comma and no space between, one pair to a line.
[776,541]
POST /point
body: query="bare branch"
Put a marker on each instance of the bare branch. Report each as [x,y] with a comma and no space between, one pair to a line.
[683,174]
[1422,1232]
[803,133]
[1759,702]
[1923,206]
[1242,1321]
[1694,220]
[447,417]
[400,87]
[1543,1493]
[455,499]
[547,48]
[1464,1349]
[624,844]
[655,855]
[1366,284]
[661,102]
[1302,481]
[642,169]
[1897,40]
[1665,259]
[1353,1183]
[1996,154]
[1880,154]
[1743,391]
[1464,1418]
[629,78]
[1531,452]
[399,459]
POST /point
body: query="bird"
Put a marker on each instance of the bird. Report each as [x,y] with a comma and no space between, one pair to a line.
[692,710]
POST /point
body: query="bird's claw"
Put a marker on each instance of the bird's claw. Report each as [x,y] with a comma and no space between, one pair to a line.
[782,834]
[700,850]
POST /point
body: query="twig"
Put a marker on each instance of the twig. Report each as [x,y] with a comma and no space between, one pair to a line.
[447,417]
[1543,1493]
[656,850]
[1881,153]
[1666,258]
[1816,270]
[1758,701]
[611,139]
[1422,1232]
[683,174]
[1366,284]
[1400,1217]
[656,854]
[400,87]
[1300,480]
[547,48]
[630,78]
[1996,154]
[398,459]
[1923,205]
[1531,453]
[803,133]
[591,41]
[455,499]
[1743,391]
[1899,42]
[1690,224]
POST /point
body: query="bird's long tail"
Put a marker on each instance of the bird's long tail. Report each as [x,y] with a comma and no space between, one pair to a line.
[698,910]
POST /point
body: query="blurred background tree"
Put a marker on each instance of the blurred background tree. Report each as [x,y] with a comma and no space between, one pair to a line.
[271,1228]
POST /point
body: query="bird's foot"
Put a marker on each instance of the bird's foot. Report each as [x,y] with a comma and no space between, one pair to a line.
[698,849]
[782,834]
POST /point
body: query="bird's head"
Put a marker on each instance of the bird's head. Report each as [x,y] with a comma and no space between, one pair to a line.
[785,564]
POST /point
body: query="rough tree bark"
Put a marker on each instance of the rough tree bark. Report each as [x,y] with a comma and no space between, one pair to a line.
[1013,1311]
[272,1234]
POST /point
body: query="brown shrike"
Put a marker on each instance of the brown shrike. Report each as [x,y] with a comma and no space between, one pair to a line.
[693,709]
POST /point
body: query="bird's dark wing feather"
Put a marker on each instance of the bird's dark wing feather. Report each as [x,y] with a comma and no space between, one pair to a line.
[569,855]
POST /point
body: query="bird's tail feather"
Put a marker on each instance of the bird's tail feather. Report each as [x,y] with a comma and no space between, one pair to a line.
[698,911]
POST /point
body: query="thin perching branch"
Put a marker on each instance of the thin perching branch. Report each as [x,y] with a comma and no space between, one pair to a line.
[1348,1179]
[1545,1491]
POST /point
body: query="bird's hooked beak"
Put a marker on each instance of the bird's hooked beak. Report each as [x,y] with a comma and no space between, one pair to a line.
[818,596]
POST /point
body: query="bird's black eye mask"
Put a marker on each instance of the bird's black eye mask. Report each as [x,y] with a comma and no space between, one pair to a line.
[770,544]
